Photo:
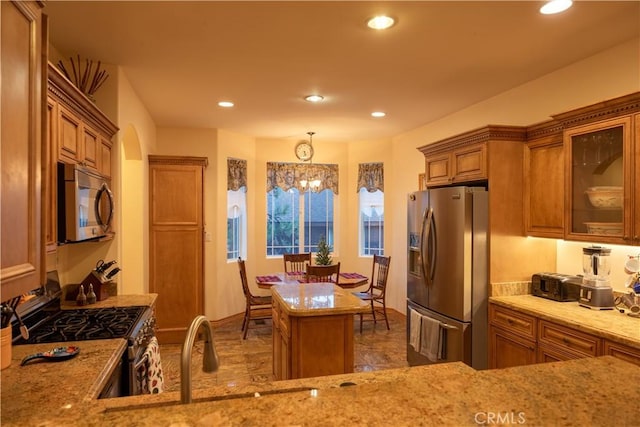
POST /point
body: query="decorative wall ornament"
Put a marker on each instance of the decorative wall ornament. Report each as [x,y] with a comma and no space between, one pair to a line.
[371,177]
[236,174]
[89,79]
[289,175]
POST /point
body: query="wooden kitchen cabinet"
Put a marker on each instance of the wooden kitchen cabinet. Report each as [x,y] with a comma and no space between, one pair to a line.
[557,342]
[77,133]
[84,132]
[544,181]
[464,164]
[22,109]
[601,163]
[623,352]
[313,330]
[512,338]
[493,157]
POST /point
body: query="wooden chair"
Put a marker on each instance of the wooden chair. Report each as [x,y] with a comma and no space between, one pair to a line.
[296,262]
[377,289]
[257,307]
[323,273]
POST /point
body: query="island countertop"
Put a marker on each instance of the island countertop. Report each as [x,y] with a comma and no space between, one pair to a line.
[574,392]
[317,299]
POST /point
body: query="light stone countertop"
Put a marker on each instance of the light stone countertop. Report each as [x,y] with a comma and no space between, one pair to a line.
[575,392]
[317,299]
[609,324]
[115,301]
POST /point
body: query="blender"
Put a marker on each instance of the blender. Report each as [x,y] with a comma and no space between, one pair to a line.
[595,291]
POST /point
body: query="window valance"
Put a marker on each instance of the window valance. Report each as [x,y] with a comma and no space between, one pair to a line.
[371,177]
[288,175]
[236,174]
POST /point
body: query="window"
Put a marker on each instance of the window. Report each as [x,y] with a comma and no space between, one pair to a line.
[236,209]
[296,217]
[296,222]
[371,222]
[236,224]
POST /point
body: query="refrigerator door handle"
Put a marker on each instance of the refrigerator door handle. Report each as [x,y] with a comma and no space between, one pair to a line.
[426,264]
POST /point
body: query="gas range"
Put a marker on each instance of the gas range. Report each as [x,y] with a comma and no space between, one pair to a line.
[80,325]
[47,322]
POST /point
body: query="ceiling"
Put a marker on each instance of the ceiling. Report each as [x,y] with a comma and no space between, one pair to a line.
[183,57]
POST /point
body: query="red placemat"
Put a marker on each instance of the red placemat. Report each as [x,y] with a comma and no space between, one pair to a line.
[266,279]
[353,276]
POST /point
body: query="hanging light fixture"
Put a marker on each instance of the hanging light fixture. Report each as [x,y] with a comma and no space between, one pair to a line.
[313,183]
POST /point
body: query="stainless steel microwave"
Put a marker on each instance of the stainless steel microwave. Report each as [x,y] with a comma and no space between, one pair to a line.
[85,204]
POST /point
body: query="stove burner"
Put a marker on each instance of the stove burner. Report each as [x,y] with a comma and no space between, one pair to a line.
[86,324]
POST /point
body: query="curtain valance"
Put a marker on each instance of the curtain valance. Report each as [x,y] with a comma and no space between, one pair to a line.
[289,175]
[371,177]
[236,174]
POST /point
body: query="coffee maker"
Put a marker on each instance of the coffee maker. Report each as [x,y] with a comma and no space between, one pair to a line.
[595,291]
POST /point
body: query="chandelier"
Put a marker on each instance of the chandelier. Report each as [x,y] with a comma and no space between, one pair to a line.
[312,184]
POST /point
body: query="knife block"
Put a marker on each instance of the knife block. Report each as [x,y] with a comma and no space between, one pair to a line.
[100,286]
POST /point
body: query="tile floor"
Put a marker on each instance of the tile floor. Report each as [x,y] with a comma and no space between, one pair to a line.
[249,361]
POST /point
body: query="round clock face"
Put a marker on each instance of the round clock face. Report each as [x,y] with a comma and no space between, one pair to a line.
[304,151]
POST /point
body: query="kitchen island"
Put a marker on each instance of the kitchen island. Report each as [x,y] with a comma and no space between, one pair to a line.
[313,329]
[575,392]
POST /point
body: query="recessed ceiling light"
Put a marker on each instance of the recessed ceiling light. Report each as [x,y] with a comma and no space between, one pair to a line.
[313,98]
[380,22]
[555,6]
[378,114]
[225,104]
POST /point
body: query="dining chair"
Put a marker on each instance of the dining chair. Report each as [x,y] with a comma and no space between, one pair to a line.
[294,263]
[323,273]
[257,307]
[376,292]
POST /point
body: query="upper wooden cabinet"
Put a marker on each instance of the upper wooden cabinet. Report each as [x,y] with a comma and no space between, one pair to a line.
[77,132]
[601,159]
[463,164]
[21,32]
[544,181]
[493,156]
[84,133]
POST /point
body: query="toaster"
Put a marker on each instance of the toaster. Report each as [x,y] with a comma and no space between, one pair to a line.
[556,286]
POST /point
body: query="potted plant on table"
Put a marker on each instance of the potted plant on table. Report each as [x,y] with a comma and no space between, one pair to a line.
[323,257]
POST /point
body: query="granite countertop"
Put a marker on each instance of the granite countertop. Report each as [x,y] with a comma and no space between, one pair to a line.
[609,324]
[575,392]
[116,301]
[317,299]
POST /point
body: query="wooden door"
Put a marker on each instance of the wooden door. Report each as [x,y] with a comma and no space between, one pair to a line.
[176,242]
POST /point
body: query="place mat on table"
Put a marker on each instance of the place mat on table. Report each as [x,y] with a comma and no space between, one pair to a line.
[267,279]
[353,276]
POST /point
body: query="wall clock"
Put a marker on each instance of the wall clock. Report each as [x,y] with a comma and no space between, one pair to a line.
[304,151]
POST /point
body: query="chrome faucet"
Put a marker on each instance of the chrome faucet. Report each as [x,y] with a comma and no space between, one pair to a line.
[210,360]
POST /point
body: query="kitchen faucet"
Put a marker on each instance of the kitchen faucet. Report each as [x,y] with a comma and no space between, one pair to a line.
[210,360]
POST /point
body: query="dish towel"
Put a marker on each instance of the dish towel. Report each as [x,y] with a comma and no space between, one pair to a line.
[430,339]
[150,372]
[414,332]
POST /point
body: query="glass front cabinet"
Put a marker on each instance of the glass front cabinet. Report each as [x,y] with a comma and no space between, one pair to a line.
[601,181]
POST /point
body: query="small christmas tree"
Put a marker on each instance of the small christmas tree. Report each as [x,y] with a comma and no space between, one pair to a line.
[323,257]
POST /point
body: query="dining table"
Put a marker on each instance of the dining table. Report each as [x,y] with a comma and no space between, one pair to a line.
[345,280]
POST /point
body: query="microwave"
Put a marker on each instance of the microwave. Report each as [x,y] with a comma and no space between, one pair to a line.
[85,204]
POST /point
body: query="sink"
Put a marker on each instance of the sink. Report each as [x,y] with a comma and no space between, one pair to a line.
[247,395]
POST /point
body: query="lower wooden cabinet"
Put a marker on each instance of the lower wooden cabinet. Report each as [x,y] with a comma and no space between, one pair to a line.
[623,352]
[507,350]
[311,346]
[517,338]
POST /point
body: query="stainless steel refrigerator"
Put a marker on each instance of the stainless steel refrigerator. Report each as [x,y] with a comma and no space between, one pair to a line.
[448,273]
